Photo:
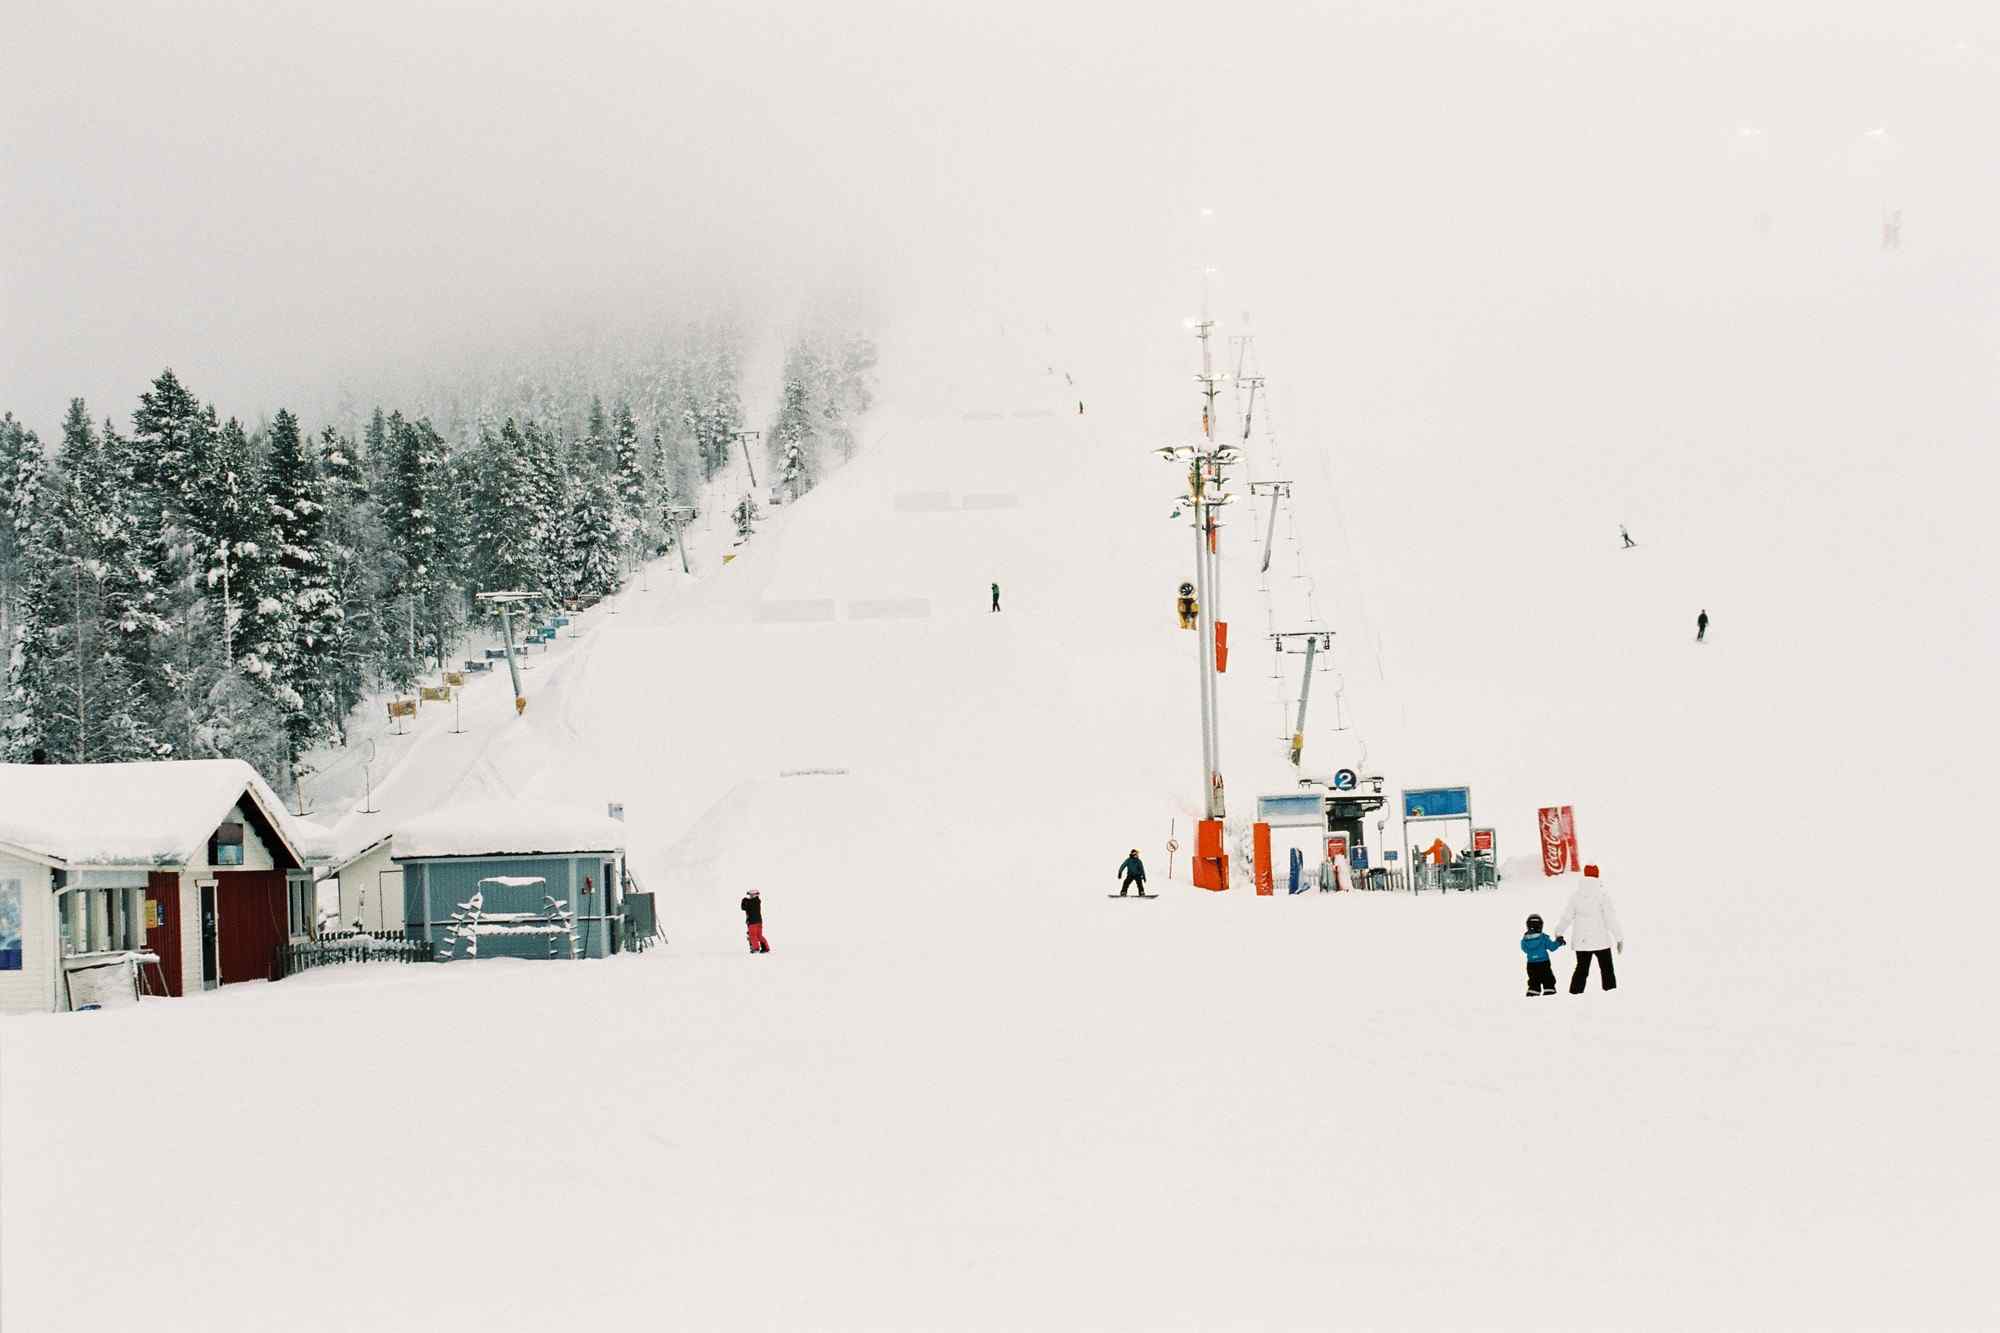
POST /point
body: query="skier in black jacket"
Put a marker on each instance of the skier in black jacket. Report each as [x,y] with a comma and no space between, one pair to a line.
[753,918]
[1134,872]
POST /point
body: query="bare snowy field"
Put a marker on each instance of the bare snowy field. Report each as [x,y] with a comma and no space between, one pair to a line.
[968,1091]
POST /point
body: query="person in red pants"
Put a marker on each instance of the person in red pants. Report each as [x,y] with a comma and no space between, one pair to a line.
[753,917]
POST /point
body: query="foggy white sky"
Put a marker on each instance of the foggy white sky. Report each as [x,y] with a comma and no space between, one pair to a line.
[268,195]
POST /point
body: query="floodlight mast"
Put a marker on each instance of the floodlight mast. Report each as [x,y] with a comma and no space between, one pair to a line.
[1208,558]
[1205,463]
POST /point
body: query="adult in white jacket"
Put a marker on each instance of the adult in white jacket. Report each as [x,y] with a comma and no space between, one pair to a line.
[1589,925]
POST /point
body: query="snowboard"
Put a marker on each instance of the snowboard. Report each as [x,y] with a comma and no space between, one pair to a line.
[1131,895]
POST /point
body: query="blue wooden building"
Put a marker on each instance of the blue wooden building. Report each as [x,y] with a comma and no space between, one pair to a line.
[513,879]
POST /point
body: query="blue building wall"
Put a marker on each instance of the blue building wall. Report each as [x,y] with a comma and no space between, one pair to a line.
[434,889]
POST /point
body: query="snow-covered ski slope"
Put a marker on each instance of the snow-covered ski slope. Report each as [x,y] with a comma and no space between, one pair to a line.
[966,1090]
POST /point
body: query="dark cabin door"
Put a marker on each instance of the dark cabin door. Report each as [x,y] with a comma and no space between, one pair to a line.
[613,907]
[163,925]
[210,933]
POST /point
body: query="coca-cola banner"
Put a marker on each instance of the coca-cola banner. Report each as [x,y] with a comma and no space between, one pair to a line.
[1558,825]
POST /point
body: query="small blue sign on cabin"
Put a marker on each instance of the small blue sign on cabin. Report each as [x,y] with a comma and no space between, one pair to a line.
[1437,803]
[1357,857]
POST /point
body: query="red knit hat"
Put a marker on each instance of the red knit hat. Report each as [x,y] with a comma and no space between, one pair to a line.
[1590,872]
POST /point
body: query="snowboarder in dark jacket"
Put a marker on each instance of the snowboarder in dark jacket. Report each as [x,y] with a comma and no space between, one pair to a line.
[1538,946]
[753,917]
[1133,870]
[1701,626]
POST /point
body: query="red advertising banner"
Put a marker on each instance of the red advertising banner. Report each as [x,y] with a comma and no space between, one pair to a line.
[1558,827]
[1336,846]
[1482,840]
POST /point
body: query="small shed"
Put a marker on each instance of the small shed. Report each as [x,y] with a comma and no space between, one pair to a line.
[196,863]
[370,884]
[518,879]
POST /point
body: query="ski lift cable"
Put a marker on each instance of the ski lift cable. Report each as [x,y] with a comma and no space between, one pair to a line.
[1315,619]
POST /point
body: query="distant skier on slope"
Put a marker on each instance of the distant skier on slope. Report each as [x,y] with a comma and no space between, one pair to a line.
[996,597]
[1133,871]
[1701,626]
[1538,947]
[1626,538]
[753,918]
[1594,921]
[1186,606]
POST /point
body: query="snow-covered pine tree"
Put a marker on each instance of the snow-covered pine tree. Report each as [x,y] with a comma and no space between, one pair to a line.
[236,548]
[597,435]
[506,517]
[419,520]
[71,693]
[590,565]
[660,491]
[304,645]
[794,434]
[243,713]
[544,452]
[20,462]
[355,563]
[628,480]
[179,648]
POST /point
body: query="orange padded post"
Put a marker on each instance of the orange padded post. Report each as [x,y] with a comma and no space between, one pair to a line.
[1260,843]
[1211,867]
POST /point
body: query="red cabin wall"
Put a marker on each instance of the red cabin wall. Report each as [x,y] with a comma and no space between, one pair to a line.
[163,888]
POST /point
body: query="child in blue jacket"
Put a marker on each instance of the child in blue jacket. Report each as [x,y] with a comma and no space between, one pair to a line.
[1538,947]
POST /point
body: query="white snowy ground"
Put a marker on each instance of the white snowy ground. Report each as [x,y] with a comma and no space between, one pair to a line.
[966,1090]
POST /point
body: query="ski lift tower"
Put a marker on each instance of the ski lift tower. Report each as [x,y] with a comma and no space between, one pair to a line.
[678,517]
[506,603]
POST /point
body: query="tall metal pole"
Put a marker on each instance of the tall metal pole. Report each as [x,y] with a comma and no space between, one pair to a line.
[1211,600]
[1305,693]
[742,438]
[513,667]
[1270,531]
[1204,631]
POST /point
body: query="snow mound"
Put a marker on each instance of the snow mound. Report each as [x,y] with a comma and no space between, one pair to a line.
[508,828]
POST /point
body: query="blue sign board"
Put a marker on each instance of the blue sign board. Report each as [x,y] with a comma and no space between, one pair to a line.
[1437,803]
[1392,855]
[1358,858]
[1345,779]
